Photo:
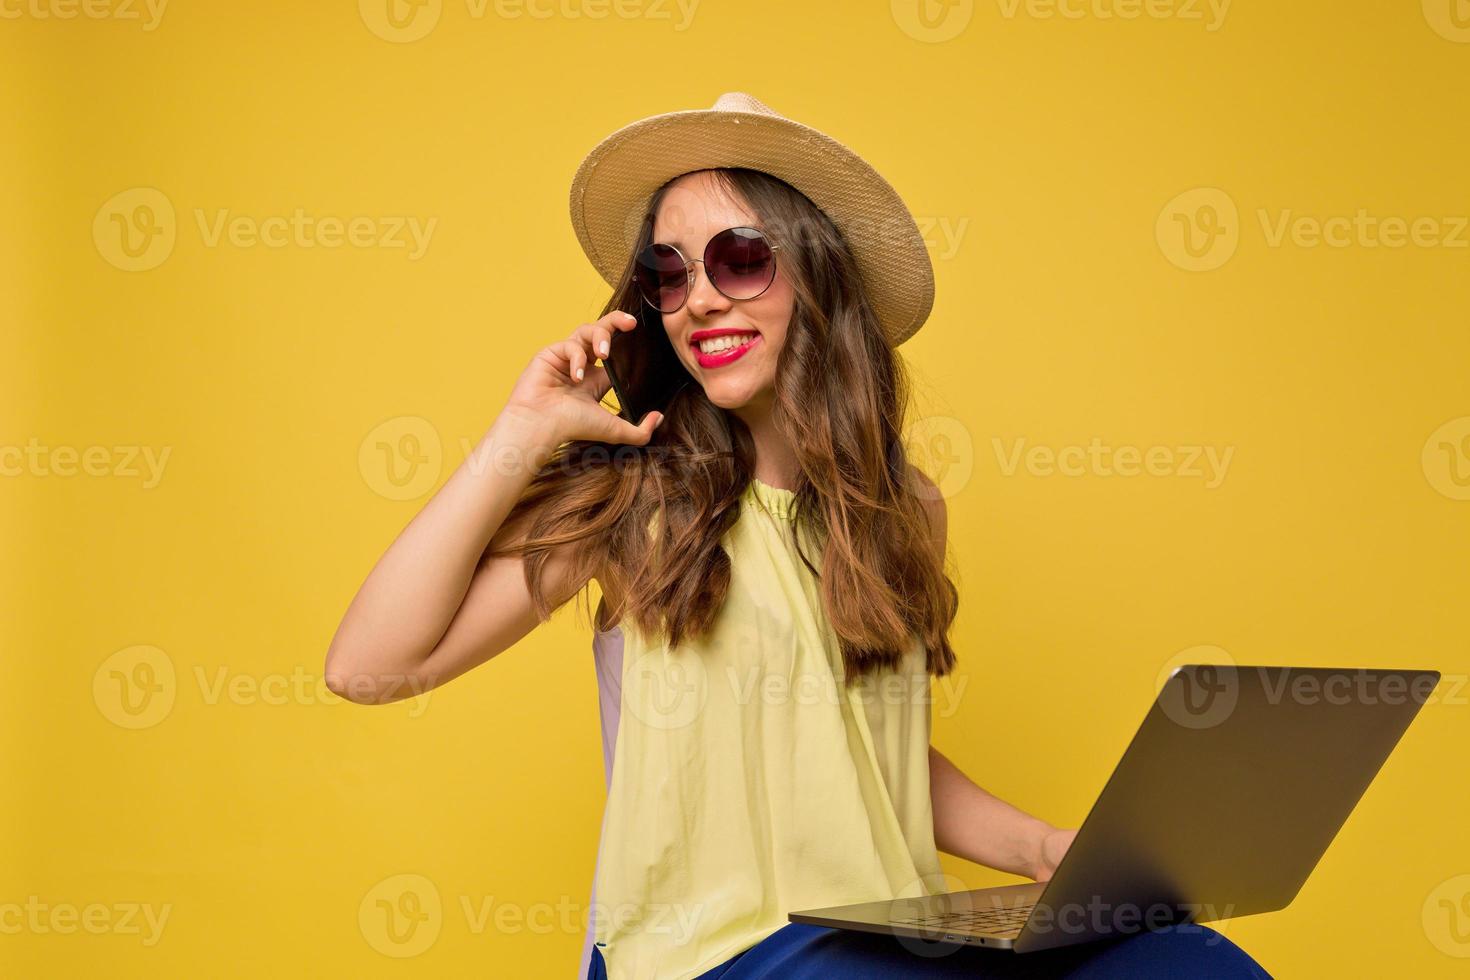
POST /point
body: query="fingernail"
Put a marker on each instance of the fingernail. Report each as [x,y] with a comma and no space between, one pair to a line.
[630,316]
[580,374]
[602,348]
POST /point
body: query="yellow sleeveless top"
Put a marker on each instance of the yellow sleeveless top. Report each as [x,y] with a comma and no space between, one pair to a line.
[747,781]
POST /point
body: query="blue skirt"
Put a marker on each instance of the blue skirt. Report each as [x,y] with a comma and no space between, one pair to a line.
[803,952]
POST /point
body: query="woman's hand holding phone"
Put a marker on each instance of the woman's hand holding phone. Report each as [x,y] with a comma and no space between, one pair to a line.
[563,388]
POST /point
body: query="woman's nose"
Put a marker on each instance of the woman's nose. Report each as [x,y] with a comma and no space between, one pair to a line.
[704,298]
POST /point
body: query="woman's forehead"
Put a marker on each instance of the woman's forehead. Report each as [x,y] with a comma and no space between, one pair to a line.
[695,207]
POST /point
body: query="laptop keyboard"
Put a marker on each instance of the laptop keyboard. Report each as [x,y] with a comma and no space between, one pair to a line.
[1000,921]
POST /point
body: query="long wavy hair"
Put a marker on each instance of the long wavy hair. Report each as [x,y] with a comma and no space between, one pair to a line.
[651,517]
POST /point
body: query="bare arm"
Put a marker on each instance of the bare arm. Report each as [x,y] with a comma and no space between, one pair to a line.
[968,821]
[429,611]
[971,823]
[432,609]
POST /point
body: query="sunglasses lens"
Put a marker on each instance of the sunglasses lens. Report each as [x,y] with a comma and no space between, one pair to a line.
[740,263]
[662,278]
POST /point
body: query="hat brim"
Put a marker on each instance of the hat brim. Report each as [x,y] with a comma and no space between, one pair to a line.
[615,181]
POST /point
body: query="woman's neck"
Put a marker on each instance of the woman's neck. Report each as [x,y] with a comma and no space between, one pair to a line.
[775,459]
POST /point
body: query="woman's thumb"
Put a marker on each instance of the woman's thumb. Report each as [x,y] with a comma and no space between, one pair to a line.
[640,434]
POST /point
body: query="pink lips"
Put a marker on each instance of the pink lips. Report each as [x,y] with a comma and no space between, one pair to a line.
[725,356]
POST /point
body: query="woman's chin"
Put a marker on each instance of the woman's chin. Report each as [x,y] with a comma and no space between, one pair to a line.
[733,397]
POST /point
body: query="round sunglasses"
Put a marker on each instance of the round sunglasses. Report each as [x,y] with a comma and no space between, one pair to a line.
[739,262]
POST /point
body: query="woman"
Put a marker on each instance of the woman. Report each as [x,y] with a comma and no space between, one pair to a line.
[772,571]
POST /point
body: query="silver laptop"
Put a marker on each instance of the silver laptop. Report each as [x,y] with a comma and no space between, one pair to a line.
[1223,803]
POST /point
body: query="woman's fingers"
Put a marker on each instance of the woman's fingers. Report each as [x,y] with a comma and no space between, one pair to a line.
[598,335]
[555,357]
[578,365]
[563,357]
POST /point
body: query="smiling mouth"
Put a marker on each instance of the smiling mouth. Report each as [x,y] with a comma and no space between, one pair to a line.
[712,352]
[724,342]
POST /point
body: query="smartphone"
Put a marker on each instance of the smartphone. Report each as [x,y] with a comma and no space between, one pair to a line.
[643,367]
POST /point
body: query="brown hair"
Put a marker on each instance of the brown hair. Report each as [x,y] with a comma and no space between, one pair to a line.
[840,397]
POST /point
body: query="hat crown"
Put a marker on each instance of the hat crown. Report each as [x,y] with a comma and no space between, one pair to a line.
[741,102]
[615,181]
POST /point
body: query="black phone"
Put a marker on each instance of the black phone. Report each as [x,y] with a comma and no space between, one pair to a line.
[643,367]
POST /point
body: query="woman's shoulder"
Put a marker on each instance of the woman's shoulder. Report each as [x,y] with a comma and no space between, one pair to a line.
[611,599]
[932,498]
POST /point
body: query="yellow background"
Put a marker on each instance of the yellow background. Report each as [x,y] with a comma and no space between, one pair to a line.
[264,816]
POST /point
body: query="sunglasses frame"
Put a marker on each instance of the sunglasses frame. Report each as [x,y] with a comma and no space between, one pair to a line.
[773,246]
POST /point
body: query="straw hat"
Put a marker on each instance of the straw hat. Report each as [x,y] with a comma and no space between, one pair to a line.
[612,187]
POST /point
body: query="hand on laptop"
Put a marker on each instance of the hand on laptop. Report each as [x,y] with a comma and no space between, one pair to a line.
[1053,846]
